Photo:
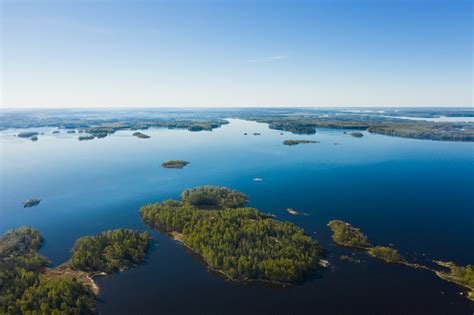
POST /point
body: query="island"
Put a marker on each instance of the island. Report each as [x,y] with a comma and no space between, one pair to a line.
[240,243]
[110,251]
[357,134]
[346,235]
[463,276]
[84,138]
[141,135]
[30,287]
[27,134]
[31,202]
[387,254]
[71,131]
[34,138]
[174,164]
[56,131]
[296,142]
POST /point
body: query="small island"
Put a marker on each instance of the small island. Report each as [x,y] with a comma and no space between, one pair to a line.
[357,134]
[84,138]
[346,235]
[27,134]
[140,135]
[296,142]
[31,202]
[56,131]
[174,164]
[387,254]
[242,244]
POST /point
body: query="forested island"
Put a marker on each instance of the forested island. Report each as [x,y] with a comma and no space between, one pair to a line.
[28,134]
[385,253]
[174,164]
[141,135]
[346,235]
[31,202]
[240,243]
[28,286]
[357,134]
[296,142]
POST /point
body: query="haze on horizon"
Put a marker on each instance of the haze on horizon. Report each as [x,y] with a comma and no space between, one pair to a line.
[99,54]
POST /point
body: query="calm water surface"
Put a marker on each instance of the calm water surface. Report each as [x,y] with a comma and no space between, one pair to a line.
[414,194]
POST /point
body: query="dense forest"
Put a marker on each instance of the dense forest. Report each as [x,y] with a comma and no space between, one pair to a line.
[212,197]
[241,243]
[23,287]
[110,251]
[347,235]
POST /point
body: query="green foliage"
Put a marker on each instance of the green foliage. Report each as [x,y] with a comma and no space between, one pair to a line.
[110,251]
[174,164]
[57,296]
[242,243]
[346,235]
[212,197]
[24,291]
[296,142]
[464,275]
[385,253]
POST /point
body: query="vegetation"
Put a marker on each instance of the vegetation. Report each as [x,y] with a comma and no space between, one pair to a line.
[214,197]
[463,276]
[23,287]
[88,137]
[357,134]
[296,142]
[346,235]
[141,135]
[110,251]
[387,254]
[307,124]
[28,134]
[174,164]
[31,202]
[241,243]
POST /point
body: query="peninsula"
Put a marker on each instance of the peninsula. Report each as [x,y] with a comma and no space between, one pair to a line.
[30,287]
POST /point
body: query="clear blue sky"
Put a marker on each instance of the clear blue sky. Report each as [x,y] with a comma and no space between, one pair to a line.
[236,53]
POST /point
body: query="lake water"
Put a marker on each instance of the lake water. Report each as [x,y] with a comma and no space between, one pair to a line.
[415,194]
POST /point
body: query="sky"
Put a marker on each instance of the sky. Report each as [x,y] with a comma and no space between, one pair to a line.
[196,53]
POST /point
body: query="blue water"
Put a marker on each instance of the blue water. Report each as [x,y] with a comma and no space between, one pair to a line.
[414,194]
